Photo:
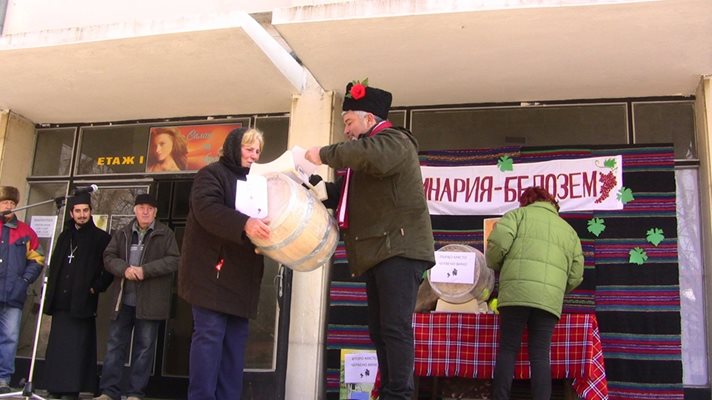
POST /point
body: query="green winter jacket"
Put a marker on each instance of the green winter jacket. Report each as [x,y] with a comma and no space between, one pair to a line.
[388,214]
[538,255]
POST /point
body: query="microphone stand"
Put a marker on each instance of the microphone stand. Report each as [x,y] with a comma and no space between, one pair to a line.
[28,390]
[57,200]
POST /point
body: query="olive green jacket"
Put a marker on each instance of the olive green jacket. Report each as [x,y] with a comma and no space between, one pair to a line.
[538,255]
[387,212]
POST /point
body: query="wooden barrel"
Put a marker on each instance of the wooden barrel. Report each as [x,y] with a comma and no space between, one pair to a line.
[303,234]
[459,293]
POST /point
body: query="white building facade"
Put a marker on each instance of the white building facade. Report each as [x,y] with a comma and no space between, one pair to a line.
[83,81]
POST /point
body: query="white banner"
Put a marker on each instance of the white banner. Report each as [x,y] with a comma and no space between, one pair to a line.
[582,184]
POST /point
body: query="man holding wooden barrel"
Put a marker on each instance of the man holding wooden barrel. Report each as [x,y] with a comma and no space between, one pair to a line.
[385,223]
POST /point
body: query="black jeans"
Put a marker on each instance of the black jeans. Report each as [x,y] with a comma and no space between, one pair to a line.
[540,326]
[392,287]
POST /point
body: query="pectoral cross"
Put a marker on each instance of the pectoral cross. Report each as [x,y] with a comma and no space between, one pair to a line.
[70,257]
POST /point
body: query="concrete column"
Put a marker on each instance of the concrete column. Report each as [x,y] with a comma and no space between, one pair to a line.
[703,117]
[17,141]
[311,124]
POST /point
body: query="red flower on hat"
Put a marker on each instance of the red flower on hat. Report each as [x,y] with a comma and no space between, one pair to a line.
[358,90]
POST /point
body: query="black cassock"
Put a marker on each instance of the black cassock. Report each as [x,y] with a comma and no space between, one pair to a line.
[76,267]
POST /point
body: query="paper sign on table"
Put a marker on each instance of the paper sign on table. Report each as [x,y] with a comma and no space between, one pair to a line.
[453,267]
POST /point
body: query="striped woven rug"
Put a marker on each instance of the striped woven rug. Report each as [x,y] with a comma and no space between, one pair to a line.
[637,306]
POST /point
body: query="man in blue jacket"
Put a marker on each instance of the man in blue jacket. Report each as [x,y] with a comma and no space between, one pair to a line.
[21,262]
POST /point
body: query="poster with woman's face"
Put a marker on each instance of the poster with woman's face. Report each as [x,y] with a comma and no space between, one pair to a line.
[185,148]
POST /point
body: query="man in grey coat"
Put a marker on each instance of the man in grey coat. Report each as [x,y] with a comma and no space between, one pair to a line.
[143,257]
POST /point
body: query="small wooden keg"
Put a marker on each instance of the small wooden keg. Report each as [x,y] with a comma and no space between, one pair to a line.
[303,234]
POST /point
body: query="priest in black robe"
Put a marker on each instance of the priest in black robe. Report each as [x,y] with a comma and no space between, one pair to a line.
[76,277]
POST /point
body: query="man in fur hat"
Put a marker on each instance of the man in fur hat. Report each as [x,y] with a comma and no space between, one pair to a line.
[76,277]
[21,262]
[386,225]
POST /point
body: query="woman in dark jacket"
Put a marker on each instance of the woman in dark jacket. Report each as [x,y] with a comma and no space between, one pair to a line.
[539,257]
[220,273]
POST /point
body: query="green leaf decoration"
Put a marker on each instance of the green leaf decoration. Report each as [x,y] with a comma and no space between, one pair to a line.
[363,82]
[654,236]
[637,256]
[596,226]
[610,163]
[505,164]
[625,195]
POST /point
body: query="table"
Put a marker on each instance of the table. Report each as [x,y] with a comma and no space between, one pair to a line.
[465,345]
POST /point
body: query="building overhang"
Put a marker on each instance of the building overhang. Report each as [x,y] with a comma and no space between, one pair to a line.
[166,69]
[424,52]
[429,52]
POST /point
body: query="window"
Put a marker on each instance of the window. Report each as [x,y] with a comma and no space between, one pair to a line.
[112,150]
[53,152]
[524,126]
[397,117]
[667,122]
[276,134]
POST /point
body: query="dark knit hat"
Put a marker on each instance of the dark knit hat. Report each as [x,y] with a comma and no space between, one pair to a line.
[145,198]
[81,198]
[9,193]
[361,97]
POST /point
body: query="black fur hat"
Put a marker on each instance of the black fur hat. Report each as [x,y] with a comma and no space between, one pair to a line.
[361,97]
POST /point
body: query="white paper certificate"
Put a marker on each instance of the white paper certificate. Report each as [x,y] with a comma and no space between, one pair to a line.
[251,196]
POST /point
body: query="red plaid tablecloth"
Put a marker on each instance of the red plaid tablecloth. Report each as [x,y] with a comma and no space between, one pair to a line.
[465,345]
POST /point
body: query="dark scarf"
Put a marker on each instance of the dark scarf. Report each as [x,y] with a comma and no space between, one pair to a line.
[232,152]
